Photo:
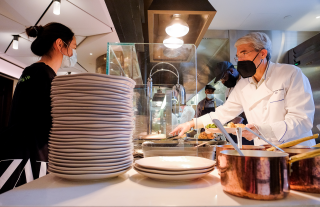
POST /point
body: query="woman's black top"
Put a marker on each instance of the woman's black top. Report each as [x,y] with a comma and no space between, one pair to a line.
[30,118]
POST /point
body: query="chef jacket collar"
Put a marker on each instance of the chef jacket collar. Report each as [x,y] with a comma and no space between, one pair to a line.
[265,75]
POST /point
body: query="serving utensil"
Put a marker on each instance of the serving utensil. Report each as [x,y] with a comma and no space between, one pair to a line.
[239,136]
[294,142]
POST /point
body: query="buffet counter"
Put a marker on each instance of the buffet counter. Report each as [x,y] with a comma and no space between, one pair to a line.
[133,189]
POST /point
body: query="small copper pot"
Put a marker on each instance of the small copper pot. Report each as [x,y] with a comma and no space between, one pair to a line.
[220,148]
[304,174]
[260,175]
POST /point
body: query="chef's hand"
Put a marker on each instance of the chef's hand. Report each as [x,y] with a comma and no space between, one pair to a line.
[182,128]
[248,135]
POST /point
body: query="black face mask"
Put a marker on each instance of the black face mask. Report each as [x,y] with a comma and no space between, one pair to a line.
[232,80]
[247,68]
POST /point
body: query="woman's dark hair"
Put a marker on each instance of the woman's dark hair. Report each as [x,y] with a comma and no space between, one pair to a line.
[47,35]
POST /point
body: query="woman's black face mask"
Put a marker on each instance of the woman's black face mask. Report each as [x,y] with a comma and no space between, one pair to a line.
[247,68]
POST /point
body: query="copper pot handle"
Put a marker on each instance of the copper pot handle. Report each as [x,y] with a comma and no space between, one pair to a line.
[295,142]
[317,145]
[305,155]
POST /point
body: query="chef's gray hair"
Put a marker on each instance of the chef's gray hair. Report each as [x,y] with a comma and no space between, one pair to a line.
[259,40]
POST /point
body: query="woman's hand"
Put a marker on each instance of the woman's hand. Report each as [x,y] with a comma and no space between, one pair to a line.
[182,128]
[248,135]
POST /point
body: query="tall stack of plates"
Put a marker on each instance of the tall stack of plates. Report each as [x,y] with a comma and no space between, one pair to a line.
[175,168]
[91,136]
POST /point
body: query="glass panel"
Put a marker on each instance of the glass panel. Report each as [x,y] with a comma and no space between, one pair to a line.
[165,85]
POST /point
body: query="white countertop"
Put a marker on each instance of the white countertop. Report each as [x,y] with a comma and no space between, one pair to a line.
[133,189]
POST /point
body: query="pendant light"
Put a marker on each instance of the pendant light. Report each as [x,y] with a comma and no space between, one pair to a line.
[15,43]
[177,27]
[173,42]
[56,7]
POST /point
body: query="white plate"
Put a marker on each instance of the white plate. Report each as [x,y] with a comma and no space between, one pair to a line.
[173,177]
[65,112]
[92,92]
[121,84]
[93,102]
[65,115]
[97,87]
[80,128]
[90,176]
[91,140]
[176,163]
[101,125]
[96,146]
[68,93]
[87,142]
[89,89]
[62,162]
[171,172]
[70,169]
[97,151]
[81,96]
[93,132]
[89,106]
[117,122]
[97,137]
[110,157]
[76,172]
[94,80]
[216,130]
[95,77]
[94,109]
[90,155]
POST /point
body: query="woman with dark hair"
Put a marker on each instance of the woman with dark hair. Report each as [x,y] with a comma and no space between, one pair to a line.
[24,143]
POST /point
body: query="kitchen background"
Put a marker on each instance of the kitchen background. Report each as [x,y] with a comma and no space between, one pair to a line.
[289,23]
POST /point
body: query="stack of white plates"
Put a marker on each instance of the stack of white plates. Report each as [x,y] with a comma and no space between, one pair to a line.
[175,168]
[91,136]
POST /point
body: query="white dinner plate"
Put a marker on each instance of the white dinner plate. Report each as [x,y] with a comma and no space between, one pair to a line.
[94,109]
[116,122]
[82,96]
[172,172]
[95,137]
[101,125]
[92,92]
[92,106]
[68,93]
[113,129]
[93,146]
[107,158]
[97,151]
[87,142]
[92,133]
[89,89]
[90,176]
[95,77]
[93,102]
[91,155]
[89,116]
[102,86]
[216,130]
[69,169]
[88,171]
[181,177]
[103,162]
[176,163]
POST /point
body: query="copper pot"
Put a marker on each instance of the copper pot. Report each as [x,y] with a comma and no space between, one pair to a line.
[260,175]
[304,174]
[220,148]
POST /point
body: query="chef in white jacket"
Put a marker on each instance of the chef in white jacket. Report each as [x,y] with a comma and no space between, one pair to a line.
[277,98]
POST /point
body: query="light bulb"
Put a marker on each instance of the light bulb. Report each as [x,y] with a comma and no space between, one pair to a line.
[56,7]
[15,44]
[177,27]
[173,42]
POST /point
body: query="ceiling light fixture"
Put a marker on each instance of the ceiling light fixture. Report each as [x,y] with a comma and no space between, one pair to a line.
[318,17]
[173,42]
[56,7]
[177,27]
[15,44]
[90,53]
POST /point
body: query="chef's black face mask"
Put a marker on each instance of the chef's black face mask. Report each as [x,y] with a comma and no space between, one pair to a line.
[247,68]
[232,79]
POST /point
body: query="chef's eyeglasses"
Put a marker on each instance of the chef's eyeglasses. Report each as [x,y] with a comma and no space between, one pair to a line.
[242,55]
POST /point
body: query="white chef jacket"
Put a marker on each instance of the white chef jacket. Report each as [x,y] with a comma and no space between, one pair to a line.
[283,102]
